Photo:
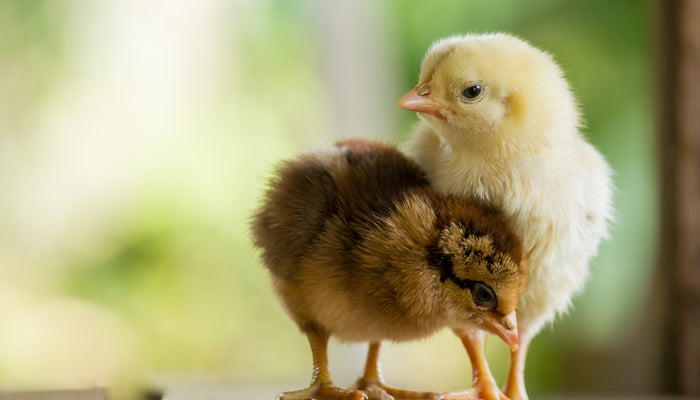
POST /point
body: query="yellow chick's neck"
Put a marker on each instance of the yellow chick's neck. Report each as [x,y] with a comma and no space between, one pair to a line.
[499,143]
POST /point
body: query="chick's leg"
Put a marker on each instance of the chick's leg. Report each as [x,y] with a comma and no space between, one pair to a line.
[322,387]
[372,381]
[515,385]
[483,384]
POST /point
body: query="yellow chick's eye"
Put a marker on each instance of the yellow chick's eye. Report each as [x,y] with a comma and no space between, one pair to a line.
[473,93]
[484,296]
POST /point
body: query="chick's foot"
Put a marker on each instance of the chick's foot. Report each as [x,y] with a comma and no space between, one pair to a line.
[322,387]
[323,391]
[377,390]
[372,382]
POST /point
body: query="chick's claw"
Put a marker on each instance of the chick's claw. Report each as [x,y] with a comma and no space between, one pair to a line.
[323,391]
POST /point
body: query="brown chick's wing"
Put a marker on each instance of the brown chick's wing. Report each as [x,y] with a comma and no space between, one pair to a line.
[300,199]
[351,183]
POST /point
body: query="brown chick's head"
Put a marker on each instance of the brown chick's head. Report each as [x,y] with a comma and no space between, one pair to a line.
[481,265]
[484,85]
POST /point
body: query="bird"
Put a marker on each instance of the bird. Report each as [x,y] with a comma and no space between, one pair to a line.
[359,247]
[499,124]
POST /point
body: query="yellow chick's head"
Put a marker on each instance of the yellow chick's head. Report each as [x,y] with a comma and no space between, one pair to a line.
[492,89]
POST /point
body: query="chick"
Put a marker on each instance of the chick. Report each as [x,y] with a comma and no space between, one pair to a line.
[359,247]
[500,125]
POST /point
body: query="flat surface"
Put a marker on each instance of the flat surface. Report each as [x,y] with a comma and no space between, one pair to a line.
[230,391]
[246,391]
[220,391]
[81,394]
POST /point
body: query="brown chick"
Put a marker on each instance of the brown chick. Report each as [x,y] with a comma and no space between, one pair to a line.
[361,248]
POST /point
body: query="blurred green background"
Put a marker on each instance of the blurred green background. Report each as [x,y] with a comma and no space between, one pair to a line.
[135,139]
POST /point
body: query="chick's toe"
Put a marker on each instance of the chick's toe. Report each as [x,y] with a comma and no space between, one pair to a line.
[377,390]
[323,391]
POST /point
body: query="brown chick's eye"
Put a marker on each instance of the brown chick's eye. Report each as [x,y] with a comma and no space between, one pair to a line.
[472,91]
[484,296]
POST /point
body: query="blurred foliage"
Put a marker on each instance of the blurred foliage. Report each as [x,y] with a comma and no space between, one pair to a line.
[29,43]
[175,262]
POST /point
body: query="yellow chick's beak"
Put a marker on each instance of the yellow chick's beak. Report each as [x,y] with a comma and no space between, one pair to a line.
[505,327]
[416,100]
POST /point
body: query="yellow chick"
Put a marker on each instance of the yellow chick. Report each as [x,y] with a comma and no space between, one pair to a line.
[500,125]
[359,247]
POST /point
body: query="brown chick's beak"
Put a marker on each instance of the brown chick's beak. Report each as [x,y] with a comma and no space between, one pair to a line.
[412,101]
[505,328]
